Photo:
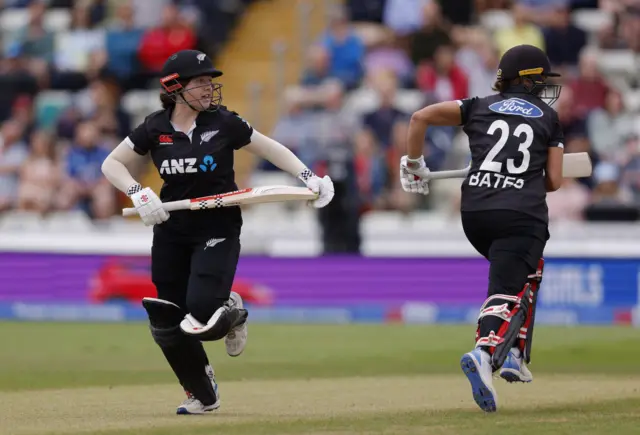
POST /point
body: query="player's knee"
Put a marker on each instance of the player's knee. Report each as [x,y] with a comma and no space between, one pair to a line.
[164,321]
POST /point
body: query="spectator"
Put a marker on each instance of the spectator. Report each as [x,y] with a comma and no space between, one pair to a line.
[388,56]
[371,172]
[74,47]
[318,65]
[479,59]
[369,11]
[346,50]
[573,126]
[33,39]
[107,112]
[295,128]
[333,135]
[630,27]
[435,32]
[445,80]
[13,153]
[160,42]
[84,186]
[563,40]
[568,203]
[122,42]
[607,191]
[16,80]
[589,88]
[609,126]
[398,199]
[40,175]
[381,122]
[404,16]
[523,31]
[630,179]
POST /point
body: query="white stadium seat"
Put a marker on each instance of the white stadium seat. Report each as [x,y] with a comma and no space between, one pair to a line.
[496,19]
[55,20]
[591,20]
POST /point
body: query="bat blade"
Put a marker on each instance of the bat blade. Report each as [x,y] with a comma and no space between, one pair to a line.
[577,165]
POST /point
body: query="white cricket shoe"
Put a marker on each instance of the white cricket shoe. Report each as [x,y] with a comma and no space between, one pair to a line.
[476,365]
[236,339]
[192,406]
[515,369]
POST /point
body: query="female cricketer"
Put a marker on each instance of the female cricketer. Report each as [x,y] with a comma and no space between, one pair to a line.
[516,144]
[194,255]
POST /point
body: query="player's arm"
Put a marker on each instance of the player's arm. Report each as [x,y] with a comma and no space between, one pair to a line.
[116,167]
[447,113]
[282,157]
[555,157]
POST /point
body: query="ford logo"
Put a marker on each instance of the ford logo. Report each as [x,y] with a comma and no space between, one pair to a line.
[517,106]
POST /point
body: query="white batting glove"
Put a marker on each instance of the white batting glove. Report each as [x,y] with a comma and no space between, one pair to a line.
[322,186]
[148,205]
[410,182]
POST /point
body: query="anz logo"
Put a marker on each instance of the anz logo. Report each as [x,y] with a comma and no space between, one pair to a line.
[518,107]
[187,166]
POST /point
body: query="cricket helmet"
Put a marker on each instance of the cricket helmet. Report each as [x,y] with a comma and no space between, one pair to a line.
[532,66]
[184,66]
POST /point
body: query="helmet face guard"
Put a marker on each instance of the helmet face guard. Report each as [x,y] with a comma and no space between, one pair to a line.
[537,85]
[174,87]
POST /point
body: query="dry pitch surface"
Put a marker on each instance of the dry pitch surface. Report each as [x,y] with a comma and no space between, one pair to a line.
[261,394]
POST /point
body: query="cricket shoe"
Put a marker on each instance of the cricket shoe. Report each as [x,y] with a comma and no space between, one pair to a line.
[515,369]
[236,339]
[192,406]
[476,365]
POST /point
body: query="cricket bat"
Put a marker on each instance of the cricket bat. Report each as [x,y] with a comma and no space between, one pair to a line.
[574,165]
[252,195]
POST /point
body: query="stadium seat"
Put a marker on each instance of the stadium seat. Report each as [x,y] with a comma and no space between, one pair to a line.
[617,61]
[496,19]
[139,102]
[14,221]
[591,20]
[365,100]
[62,221]
[55,20]
[13,19]
[632,102]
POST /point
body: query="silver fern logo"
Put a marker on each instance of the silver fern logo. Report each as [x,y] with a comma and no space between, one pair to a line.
[206,137]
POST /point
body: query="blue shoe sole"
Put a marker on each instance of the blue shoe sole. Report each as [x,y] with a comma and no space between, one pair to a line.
[481,394]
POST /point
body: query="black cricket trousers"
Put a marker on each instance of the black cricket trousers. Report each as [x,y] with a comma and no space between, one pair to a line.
[194,273]
[513,242]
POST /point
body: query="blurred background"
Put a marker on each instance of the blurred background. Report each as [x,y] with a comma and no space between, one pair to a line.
[336,81]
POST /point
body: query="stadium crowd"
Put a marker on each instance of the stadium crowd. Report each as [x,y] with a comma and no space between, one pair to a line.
[436,50]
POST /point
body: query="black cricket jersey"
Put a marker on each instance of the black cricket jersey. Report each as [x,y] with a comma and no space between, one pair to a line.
[200,166]
[509,137]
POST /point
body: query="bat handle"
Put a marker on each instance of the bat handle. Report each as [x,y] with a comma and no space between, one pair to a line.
[129,212]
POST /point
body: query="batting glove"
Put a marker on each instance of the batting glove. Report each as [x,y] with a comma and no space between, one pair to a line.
[148,205]
[322,186]
[410,182]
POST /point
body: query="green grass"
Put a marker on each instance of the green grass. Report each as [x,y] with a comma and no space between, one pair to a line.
[311,379]
[593,419]
[42,355]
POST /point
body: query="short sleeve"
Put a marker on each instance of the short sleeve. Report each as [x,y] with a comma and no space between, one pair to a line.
[557,135]
[139,139]
[242,131]
[465,109]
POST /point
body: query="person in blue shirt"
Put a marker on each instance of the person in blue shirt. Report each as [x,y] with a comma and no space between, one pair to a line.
[85,187]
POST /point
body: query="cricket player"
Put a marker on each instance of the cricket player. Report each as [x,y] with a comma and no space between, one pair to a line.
[194,255]
[516,158]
